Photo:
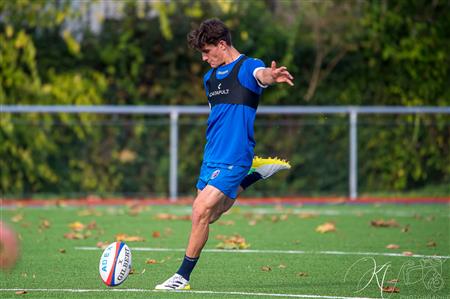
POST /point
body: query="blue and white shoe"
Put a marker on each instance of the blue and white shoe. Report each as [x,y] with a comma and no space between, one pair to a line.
[176,282]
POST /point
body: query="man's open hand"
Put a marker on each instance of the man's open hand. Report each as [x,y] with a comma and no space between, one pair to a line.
[273,75]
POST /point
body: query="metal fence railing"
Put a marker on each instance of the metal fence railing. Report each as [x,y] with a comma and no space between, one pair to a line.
[174,113]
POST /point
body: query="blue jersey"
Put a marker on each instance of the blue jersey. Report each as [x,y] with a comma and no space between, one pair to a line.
[233,94]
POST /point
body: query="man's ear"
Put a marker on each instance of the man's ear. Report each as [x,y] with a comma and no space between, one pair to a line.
[222,45]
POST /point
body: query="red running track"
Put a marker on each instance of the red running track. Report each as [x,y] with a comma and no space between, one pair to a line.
[95,201]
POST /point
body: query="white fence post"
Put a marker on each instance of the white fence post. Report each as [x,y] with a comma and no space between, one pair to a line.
[353,170]
[173,172]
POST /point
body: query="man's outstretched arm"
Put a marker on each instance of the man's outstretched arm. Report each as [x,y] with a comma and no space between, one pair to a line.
[272,74]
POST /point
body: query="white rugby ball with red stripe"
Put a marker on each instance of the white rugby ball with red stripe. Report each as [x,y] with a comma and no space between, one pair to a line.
[115,264]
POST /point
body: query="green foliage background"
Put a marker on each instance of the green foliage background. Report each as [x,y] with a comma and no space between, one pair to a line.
[341,53]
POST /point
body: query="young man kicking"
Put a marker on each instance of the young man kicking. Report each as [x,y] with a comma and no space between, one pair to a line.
[233,86]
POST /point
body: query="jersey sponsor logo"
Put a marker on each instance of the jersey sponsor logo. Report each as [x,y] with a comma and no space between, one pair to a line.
[215,174]
[219,92]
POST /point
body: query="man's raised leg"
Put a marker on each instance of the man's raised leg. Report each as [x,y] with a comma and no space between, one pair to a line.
[262,168]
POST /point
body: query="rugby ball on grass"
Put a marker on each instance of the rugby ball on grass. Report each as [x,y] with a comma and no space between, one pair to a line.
[115,264]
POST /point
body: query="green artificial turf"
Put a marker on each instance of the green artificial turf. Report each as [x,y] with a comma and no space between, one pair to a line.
[422,229]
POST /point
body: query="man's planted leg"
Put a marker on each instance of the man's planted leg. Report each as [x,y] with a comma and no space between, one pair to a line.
[208,205]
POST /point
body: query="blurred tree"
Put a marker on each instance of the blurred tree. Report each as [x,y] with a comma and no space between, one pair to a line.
[328,30]
[341,53]
[35,160]
[402,61]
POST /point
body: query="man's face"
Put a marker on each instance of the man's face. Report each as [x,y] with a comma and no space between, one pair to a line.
[214,55]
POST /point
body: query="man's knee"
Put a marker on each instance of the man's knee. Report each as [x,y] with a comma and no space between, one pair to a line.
[200,213]
[208,206]
[210,215]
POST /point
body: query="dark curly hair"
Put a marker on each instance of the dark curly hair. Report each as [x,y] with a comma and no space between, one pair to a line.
[210,32]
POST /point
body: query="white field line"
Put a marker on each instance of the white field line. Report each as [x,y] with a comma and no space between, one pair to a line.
[279,252]
[185,292]
[319,212]
[183,210]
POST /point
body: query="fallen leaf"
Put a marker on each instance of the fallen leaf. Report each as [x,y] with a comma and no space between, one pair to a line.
[279,207]
[44,224]
[75,236]
[305,215]
[21,292]
[232,242]
[393,281]
[296,242]
[391,289]
[282,266]
[383,223]
[184,217]
[274,218]
[326,228]
[165,216]
[266,268]
[407,253]
[76,226]
[302,274]
[430,218]
[431,244]
[156,234]
[392,246]
[17,218]
[284,217]
[135,209]
[102,245]
[151,261]
[89,212]
[405,229]
[132,271]
[62,250]
[221,237]
[253,216]
[252,222]
[127,238]
[226,223]
[92,225]
[227,246]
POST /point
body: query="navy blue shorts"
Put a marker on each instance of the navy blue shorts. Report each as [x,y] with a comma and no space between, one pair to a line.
[224,177]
